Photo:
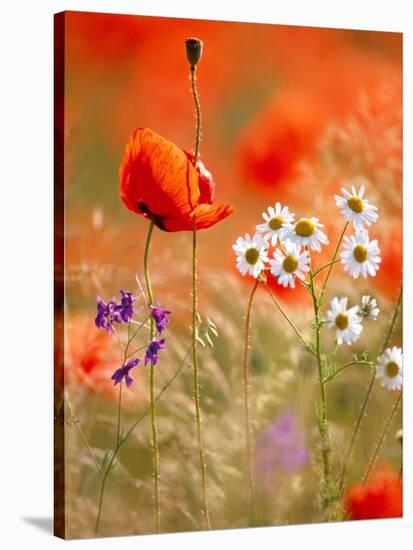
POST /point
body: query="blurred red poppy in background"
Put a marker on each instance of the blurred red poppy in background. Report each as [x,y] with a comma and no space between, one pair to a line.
[380,497]
[92,357]
[159,181]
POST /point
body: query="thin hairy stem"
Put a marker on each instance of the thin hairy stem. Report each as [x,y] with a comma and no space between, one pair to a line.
[197,391]
[344,367]
[197,114]
[368,393]
[245,369]
[333,261]
[320,269]
[82,435]
[323,422]
[155,448]
[283,313]
[382,438]
[104,473]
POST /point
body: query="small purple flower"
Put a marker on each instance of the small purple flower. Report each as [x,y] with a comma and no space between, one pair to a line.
[160,317]
[280,447]
[151,355]
[126,306]
[123,373]
[107,314]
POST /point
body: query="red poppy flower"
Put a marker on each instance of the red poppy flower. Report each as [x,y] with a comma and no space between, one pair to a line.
[380,497]
[159,181]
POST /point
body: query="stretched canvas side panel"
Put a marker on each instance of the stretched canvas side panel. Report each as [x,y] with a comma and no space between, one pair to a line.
[59,447]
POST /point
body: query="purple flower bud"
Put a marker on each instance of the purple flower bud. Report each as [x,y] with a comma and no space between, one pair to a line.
[126,306]
[151,355]
[160,317]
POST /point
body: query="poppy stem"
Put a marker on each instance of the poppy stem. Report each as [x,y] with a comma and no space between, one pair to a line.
[197,389]
[155,448]
[248,429]
[197,114]
[368,393]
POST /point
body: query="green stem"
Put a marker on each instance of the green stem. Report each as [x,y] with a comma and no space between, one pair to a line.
[155,448]
[196,376]
[127,436]
[119,413]
[323,422]
[295,329]
[248,429]
[195,312]
[82,435]
[320,269]
[382,438]
[197,114]
[367,396]
[333,261]
[344,367]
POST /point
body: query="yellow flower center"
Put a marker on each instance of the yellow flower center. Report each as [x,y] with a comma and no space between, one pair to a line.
[342,321]
[252,255]
[304,228]
[392,369]
[290,264]
[356,204]
[276,223]
[360,253]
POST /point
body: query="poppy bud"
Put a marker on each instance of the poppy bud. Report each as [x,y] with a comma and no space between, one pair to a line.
[193,50]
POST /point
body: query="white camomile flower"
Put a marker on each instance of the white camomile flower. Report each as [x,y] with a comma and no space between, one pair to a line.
[278,221]
[356,209]
[307,232]
[295,263]
[360,255]
[347,322]
[390,368]
[369,309]
[252,254]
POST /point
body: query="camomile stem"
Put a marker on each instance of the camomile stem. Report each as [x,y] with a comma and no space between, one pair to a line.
[382,437]
[197,389]
[283,313]
[245,369]
[360,417]
[323,422]
[329,378]
[333,261]
[152,400]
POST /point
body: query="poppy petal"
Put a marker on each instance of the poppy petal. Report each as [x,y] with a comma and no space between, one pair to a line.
[206,216]
[157,179]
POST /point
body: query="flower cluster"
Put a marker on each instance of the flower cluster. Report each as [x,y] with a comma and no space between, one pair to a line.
[107,314]
[360,256]
[291,258]
[294,238]
[111,312]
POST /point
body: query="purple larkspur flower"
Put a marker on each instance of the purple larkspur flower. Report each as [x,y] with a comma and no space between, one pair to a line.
[123,373]
[151,355]
[160,317]
[280,447]
[126,305]
[107,314]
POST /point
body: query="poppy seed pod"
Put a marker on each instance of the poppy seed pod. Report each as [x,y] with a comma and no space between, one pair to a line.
[193,48]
